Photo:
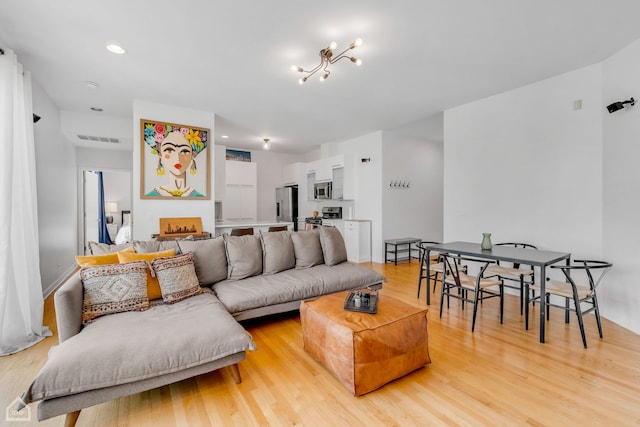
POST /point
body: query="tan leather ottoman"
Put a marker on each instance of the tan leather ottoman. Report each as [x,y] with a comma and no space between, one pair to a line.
[365,351]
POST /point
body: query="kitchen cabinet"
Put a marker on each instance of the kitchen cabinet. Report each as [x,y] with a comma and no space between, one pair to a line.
[241,203]
[241,173]
[241,192]
[337,223]
[291,173]
[323,171]
[357,239]
[343,178]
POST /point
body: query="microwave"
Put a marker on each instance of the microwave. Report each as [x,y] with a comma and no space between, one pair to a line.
[322,190]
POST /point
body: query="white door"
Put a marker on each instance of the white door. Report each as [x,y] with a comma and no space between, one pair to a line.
[90,207]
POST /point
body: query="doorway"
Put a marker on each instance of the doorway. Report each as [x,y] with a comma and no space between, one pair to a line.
[117,192]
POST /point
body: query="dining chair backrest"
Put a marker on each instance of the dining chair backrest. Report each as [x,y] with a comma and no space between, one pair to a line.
[591,268]
[517,245]
[242,231]
[456,270]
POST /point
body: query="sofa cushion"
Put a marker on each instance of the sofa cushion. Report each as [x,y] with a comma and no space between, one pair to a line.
[133,346]
[244,255]
[209,257]
[102,248]
[177,277]
[293,285]
[307,248]
[113,288]
[146,246]
[153,287]
[333,247]
[277,252]
[110,258]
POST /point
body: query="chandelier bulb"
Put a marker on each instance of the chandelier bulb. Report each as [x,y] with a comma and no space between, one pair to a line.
[356,61]
[356,43]
[265,146]
[302,80]
[333,45]
[324,77]
[296,68]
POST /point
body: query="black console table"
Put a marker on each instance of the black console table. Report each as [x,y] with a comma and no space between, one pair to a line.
[400,246]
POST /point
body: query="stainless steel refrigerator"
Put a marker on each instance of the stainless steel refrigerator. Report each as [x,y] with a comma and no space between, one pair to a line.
[287,205]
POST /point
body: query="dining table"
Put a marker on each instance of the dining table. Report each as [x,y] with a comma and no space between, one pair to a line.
[534,257]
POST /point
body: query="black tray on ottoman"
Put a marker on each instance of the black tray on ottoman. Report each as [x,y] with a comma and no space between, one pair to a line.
[362,300]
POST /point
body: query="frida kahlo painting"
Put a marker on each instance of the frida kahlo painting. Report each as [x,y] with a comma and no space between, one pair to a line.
[174,161]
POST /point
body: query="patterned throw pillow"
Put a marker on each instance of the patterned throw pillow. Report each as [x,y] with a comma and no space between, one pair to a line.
[113,288]
[153,288]
[177,277]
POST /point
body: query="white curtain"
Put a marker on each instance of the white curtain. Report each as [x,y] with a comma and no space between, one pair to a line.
[21,300]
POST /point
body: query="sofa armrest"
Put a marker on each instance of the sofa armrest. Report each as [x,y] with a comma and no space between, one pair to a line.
[68,302]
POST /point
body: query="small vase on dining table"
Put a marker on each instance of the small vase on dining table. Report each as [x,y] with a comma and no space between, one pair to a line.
[486,242]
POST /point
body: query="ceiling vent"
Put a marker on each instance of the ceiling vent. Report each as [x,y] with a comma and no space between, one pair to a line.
[99,139]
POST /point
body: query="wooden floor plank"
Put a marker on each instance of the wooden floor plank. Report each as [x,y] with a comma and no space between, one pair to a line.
[498,375]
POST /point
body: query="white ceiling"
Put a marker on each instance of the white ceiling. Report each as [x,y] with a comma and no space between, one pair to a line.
[233,57]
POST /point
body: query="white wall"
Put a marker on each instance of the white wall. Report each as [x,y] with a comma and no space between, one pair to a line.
[146,213]
[56,184]
[525,166]
[270,167]
[409,155]
[620,294]
[368,185]
[570,176]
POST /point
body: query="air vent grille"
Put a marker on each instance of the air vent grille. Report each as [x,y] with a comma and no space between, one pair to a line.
[99,139]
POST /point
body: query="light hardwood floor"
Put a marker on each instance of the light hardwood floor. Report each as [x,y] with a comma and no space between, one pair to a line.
[499,375]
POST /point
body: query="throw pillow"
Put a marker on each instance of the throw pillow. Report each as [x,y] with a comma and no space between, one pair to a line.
[177,277]
[277,252]
[209,257]
[96,248]
[113,288]
[307,248]
[244,255]
[333,247]
[89,260]
[148,246]
[153,287]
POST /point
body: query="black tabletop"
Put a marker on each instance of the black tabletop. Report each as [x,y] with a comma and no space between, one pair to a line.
[502,253]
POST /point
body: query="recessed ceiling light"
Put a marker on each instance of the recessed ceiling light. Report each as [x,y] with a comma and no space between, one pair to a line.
[224,136]
[90,84]
[115,48]
[98,109]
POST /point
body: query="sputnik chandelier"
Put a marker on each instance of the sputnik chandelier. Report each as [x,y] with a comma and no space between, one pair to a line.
[327,57]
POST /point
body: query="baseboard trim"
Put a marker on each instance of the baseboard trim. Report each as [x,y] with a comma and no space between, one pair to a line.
[59,281]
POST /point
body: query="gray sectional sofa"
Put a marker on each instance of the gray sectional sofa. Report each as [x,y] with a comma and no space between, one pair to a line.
[239,277]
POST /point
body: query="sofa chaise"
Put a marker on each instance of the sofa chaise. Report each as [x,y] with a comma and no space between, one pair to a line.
[206,287]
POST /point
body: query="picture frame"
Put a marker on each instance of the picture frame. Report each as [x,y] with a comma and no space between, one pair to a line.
[238,155]
[174,161]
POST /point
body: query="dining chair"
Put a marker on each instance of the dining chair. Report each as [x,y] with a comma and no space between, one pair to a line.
[241,231]
[574,291]
[457,284]
[436,266]
[514,272]
[278,228]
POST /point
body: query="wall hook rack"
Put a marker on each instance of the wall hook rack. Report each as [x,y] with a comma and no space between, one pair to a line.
[396,183]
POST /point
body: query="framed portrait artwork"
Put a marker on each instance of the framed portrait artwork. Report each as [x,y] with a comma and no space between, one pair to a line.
[174,161]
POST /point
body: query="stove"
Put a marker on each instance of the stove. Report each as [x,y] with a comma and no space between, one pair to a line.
[328,212]
[332,212]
